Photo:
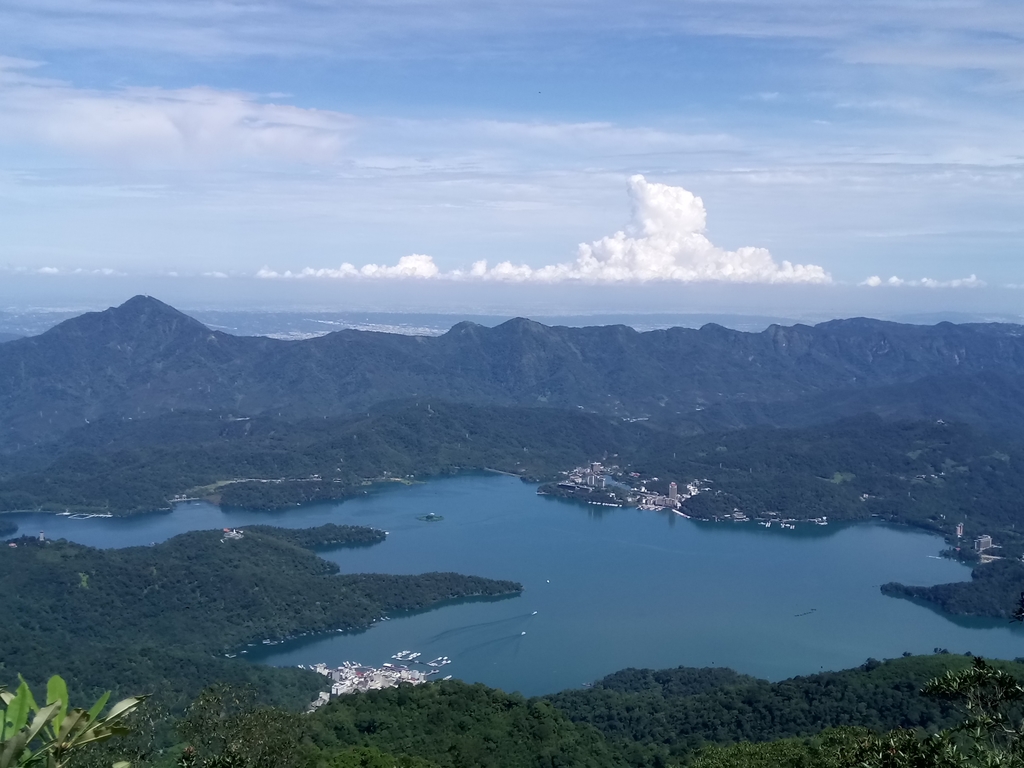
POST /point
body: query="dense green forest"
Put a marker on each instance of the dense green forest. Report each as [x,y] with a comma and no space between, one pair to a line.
[175,609]
[675,711]
[129,466]
[928,474]
[709,718]
[455,725]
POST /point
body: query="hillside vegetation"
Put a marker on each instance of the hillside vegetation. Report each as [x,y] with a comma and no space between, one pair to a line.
[128,466]
[676,711]
[174,610]
[711,718]
[929,474]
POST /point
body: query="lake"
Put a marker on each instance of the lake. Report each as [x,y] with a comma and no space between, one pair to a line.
[607,588]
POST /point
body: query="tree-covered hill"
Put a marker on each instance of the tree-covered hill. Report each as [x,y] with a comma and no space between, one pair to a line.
[928,474]
[174,609]
[677,710]
[144,358]
[454,725]
[127,466]
[638,718]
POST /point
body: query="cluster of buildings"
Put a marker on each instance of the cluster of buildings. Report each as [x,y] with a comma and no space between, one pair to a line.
[674,500]
[591,476]
[981,543]
[351,677]
[583,481]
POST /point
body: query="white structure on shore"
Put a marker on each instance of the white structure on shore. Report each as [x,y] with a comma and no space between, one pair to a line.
[351,677]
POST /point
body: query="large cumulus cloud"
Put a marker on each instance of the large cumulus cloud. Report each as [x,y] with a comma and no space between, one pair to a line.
[665,241]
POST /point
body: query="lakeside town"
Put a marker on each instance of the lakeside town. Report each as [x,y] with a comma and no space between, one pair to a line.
[611,486]
[352,677]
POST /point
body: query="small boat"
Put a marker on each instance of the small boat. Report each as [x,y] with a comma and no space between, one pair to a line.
[522,633]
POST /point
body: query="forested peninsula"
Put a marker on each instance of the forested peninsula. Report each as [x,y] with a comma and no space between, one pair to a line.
[173,610]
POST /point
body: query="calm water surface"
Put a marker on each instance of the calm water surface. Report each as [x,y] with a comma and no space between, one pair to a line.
[607,588]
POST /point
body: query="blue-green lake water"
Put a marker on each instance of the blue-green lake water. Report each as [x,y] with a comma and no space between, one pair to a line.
[607,588]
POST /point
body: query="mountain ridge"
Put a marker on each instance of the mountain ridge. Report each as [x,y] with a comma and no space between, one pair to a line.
[145,357]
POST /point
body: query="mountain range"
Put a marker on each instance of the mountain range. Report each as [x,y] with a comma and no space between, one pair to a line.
[145,358]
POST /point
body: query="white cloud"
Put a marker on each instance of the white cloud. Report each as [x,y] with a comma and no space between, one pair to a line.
[925,282]
[159,125]
[24,270]
[415,265]
[665,242]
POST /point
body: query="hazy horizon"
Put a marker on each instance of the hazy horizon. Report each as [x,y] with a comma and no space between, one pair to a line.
[299,322]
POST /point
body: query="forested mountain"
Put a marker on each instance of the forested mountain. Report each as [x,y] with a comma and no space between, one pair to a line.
[145,358]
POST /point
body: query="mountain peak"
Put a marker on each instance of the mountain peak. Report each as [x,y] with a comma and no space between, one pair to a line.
[146,307]
[522,324]
[140,317]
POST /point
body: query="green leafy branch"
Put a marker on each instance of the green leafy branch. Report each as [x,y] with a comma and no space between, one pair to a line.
[36,737]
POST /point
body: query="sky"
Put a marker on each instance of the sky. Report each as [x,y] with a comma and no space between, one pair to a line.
[797,156]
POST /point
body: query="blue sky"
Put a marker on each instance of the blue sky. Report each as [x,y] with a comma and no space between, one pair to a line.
[464,152]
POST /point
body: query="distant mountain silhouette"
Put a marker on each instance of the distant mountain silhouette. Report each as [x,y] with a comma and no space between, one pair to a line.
[144,358]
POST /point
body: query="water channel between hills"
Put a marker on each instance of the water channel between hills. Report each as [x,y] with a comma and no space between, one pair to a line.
[611,588]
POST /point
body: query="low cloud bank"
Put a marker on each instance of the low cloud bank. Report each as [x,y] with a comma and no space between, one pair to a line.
[414,265]
[21,270]
[925,282]
[664,242]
